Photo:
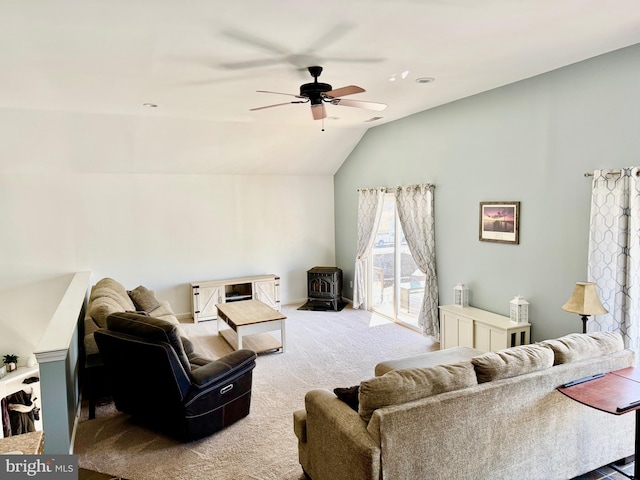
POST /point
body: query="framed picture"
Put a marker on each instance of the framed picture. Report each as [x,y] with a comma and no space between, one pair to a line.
[500,222]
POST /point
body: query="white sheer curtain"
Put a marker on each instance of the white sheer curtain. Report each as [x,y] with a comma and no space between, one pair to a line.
[614,251]
[369,212]
[415,210]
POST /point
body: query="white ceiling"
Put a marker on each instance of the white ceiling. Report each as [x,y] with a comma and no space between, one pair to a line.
[105,58]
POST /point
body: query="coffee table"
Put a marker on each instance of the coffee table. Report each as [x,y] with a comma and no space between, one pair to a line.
[249,321]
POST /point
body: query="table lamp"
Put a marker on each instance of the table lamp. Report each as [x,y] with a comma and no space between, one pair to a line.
[584,301]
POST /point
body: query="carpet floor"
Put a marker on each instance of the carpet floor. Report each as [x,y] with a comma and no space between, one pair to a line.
[324,350]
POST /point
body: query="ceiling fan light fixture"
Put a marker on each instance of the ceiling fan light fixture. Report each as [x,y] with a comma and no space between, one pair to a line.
[317,94]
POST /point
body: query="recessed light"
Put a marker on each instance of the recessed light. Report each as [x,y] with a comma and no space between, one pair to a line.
[150,105]
[425,80]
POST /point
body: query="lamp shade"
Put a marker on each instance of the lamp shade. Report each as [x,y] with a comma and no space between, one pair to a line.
[584,300]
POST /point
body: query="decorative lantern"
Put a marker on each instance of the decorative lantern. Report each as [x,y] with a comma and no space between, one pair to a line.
[461,295]
[519,311]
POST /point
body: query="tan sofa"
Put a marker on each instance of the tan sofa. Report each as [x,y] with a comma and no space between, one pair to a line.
[107,297]
[497,415]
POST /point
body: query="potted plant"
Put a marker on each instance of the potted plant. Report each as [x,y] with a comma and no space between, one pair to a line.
[11,361]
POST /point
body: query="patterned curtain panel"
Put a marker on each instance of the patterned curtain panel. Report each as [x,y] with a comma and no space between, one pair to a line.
[369,212]
[415,210]
[614,252]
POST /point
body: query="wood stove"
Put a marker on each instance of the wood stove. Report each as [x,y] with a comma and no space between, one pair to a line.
[324,289]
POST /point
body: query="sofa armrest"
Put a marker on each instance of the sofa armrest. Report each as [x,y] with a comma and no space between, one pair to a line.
[196,360]
[163,309]
[338,443]
[223,368]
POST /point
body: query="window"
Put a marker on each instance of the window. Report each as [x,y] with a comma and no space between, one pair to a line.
[395,284]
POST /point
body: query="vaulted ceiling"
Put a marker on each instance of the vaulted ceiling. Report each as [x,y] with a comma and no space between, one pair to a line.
[202,62]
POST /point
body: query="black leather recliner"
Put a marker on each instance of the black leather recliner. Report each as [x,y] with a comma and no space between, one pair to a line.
[154,380]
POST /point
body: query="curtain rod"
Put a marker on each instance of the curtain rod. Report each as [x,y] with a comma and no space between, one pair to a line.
[393,189]
[612,172]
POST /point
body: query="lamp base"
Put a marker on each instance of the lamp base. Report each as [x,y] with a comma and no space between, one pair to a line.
[584,323]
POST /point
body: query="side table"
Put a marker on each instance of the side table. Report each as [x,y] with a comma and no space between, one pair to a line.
[615,392]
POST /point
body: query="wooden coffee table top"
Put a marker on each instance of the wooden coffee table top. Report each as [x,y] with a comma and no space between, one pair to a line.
[248,312]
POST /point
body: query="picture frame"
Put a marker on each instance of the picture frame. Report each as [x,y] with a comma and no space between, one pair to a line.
[500,222]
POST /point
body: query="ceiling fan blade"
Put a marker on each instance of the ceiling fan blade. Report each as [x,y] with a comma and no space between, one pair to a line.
[271,106]
[334,34]
[341,92]
[355,60]
[261,43]
[318,111]
[251,64]
[279,93]
[359,104]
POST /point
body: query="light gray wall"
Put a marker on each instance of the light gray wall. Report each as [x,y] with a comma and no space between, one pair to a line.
[531,141]
[162,230]
[69,202]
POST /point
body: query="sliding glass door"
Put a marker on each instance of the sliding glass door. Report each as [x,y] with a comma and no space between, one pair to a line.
[396,285]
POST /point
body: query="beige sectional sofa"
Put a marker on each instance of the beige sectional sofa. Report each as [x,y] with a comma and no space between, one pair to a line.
[494,416]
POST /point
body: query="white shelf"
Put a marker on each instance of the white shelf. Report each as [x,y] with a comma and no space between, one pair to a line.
[12,383]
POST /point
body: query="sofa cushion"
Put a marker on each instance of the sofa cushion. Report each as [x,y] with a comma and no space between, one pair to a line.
[143,299]
[102,307]
[512,362]
[406,385]
[111,288]
[578,346]
[429,359]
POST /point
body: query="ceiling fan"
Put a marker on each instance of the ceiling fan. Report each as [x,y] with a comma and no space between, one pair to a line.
[317,94]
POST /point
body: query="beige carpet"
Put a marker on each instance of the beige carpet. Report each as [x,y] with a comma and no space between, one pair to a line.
[324,350]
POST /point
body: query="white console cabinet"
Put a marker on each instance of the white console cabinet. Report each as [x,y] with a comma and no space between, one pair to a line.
[206,294]
[485,331]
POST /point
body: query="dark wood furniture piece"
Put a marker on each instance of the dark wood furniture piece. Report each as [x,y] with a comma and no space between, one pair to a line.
[615,392]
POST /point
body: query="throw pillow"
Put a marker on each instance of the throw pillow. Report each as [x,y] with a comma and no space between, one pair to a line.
[405,385]
[348,395]
[512,362]
[143,299]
